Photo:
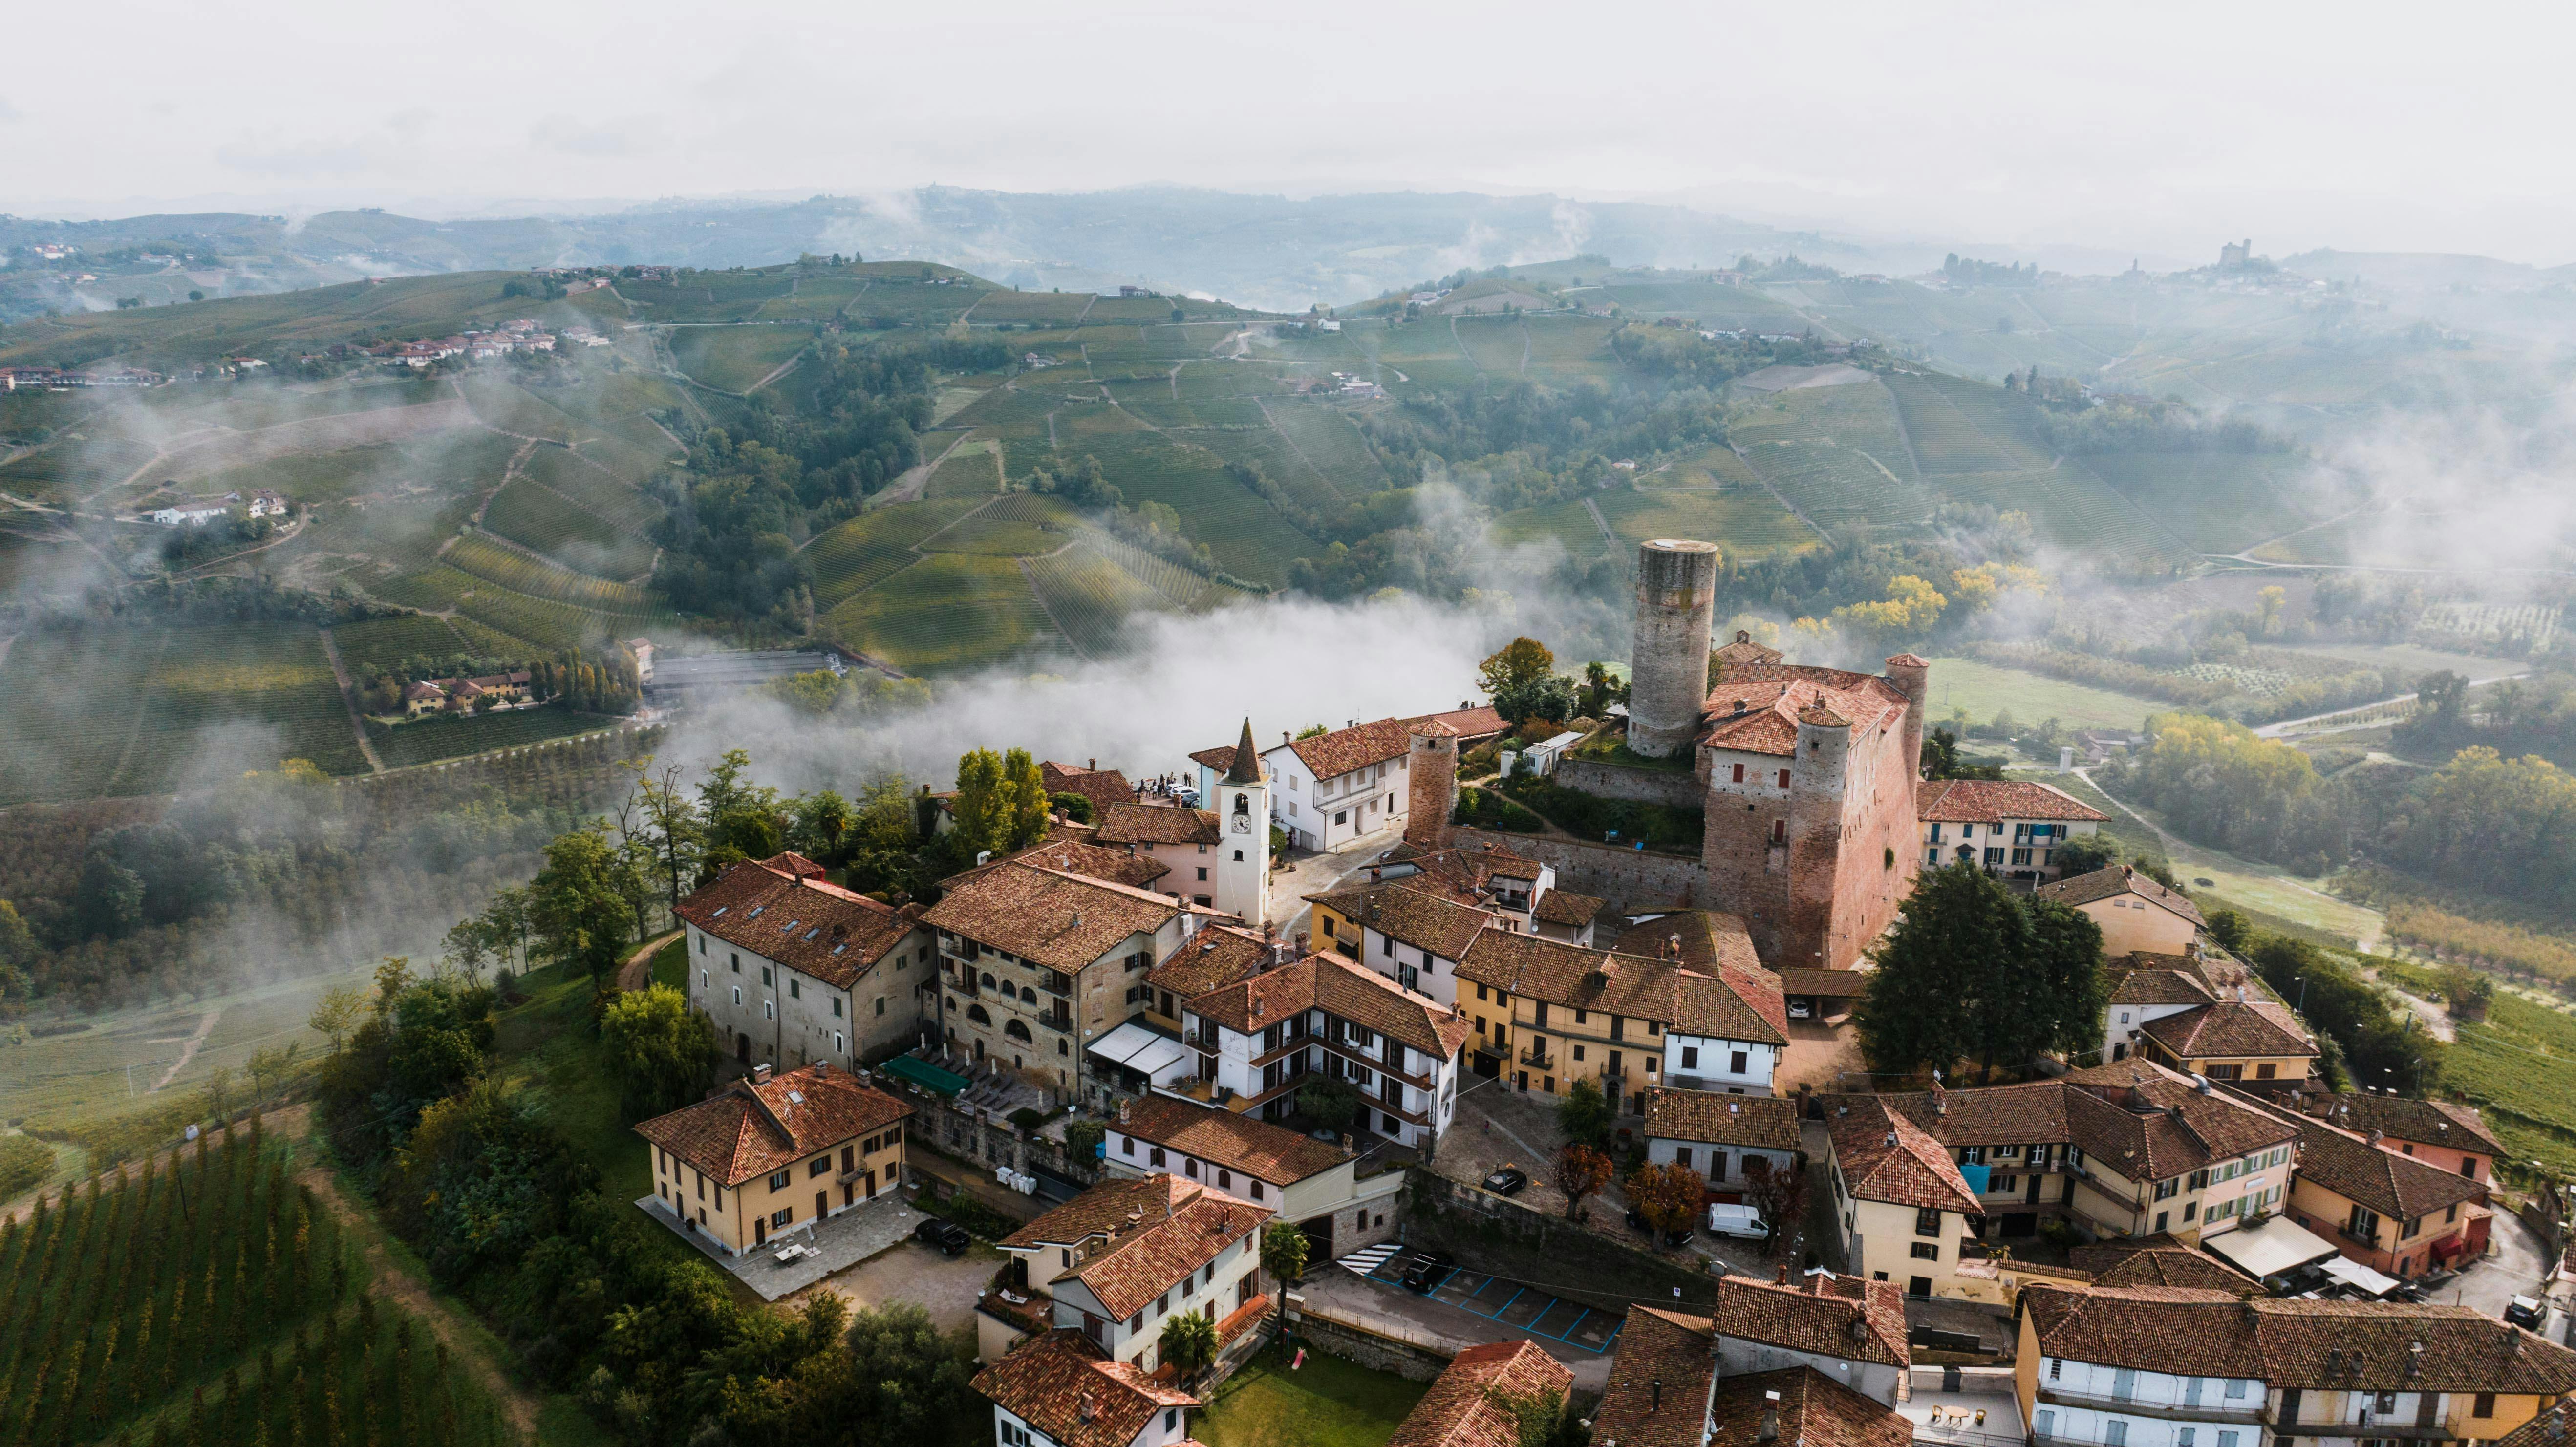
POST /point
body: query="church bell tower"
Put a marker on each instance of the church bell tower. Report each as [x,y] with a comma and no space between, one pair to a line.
[1242,804]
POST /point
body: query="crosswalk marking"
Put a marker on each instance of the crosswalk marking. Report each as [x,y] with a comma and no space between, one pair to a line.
[1369,1259]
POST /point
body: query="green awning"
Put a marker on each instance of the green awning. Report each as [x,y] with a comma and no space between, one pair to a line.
[926,1075]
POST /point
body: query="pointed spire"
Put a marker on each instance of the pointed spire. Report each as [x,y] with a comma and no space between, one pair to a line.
[1247,759]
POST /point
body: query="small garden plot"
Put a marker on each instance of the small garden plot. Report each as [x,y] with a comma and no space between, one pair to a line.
[538,518]
[1328,1402]
[947,613]
[735,359]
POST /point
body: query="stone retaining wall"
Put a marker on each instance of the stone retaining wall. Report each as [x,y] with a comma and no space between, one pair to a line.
[1673,788]
[1631,879]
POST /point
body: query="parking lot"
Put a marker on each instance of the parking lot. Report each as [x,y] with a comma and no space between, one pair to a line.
[1514,1304]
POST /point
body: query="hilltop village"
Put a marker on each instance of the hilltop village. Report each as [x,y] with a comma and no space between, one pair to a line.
[1249,1039]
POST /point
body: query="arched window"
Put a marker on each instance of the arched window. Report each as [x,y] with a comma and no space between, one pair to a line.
[1238,856]
[1028,996]
[1017,1031]
[1243,803]
[979,1015]
[988,979]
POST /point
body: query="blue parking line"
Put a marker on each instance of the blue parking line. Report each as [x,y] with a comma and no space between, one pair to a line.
[1568,1333]
[1480,1287]
[1506,1306]
[1445,1273]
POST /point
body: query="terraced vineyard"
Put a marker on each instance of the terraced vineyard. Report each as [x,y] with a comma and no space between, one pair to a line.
[2218,502]
[875,546]
[1962,426]
[1090,597]
[1835,455]
[1743,523]
[74,468]
[735,359]
[1179,585]
[972,470]
[1325,436]
[591,488]
[535,517]
[1020,524]
[449,736]
[1249,538]
[248,694]
[1265,448]
[946,613]
[522,574]
[549,625]
[390,642]
[67,702]
[1568,525]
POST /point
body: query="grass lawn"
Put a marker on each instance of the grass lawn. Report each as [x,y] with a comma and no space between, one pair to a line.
[1984,688]
[671,964]
[2258,888]
[1326,1403]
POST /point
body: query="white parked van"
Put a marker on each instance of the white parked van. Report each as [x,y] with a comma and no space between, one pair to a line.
[1742,1222]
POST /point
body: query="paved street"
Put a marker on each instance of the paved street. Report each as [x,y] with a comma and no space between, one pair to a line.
[2513,1265]
[1393,1311]
[1313,873]
[944,1286]
[837,1243]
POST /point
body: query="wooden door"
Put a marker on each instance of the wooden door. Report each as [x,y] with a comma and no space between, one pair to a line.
[822,1204]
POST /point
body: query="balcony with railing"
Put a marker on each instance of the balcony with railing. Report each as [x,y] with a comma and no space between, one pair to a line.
[1538,1057]
[2214,1405]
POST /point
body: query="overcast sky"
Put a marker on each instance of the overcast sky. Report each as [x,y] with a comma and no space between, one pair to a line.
[2161,127]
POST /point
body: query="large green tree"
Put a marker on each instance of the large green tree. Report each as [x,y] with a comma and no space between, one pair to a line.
[579,902]
[663,1053]
[2066,970]
[1920,1008]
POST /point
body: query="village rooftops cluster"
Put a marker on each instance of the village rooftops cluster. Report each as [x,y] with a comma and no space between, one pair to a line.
[452,695]
[519,335]
[1823,1315]
[2158,1260]
[1734,1005]
[2398,1187]
[782,908]
[1217,956]
[1222,1138]
[1884,1156]
[1340,989]
[1659,1382]
[752,1128]
[1071,849]
[1103,787]
[2135,1117]
[1760,1122]
[1803,1407]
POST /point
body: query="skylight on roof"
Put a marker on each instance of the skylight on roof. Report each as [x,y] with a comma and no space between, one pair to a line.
[809,934]
[756,909]
[795,1097]
[836,949]
[720,909]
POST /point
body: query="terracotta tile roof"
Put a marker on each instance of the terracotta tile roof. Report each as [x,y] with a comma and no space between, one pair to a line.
[1060,1384]
[2230,1028]
[1586,977]
[2118,879]
[1330,755]
[2159,1260]
[1813,1410]
[1659,1380]
[1273,1153]
[1217,956]
[1829,1315]
[1460,1410]
[2425,1122]
[1414,910]
[1565,907]
[1825,984]
[1757,707]
[751,1130]
[1048,917]
[2149,1123]
[2545,1429]
[1469,866]
[2159,986]
[1995,801]
[1471,725]
[1220,758]
[1069,849]
[1338,987]
[2322,1345]
[1157,824]
[1765,1122]
[1140,1236]
[2031,1114]
[1103,787]
[1710,939]
[777,910]
[2398,1187]
[1742,650]
[1886,1157]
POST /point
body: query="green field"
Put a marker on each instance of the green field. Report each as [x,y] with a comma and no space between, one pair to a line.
[945,613]
[1984,689]
[2219,502]
[1836,454]
[735,359]
[972,470]
[1250,539]
[522,574]
[389,642]
[449,736]
[543,622]
[1569,525]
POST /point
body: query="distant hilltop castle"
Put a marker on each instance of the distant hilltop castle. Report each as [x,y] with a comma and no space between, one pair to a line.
[2233,255]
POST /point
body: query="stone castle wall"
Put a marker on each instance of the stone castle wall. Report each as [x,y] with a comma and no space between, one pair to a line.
[1672,788]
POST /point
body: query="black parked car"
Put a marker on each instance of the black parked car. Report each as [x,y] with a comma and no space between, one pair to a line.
[1673,1240]
[1426,1270]
[1507,1181]
[948,1236]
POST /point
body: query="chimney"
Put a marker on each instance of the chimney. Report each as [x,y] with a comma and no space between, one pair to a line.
[1655,1395]
[1769,1431]
[1089,1405]
[1283,736]
[1092,765]
[2377,1135]
[1780,1274]
[760,1074]
[1122,1112]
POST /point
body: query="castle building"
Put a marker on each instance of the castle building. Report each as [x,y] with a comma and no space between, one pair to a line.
[1807,775]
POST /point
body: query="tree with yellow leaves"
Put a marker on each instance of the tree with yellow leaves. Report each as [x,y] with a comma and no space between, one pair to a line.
[1912,607]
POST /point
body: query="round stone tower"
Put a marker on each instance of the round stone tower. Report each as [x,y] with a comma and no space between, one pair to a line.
[1431,790]
[1668,668]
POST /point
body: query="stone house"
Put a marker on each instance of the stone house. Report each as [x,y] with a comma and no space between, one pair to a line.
[770,1154]
[790,968]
